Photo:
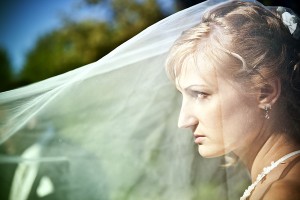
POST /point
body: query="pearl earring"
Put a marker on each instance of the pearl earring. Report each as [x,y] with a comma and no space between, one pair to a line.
[267,108]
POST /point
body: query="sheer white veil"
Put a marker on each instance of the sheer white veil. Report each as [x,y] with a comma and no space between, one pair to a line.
[108,130]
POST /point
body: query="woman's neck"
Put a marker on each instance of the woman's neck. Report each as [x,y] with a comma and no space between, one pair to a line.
[268,149]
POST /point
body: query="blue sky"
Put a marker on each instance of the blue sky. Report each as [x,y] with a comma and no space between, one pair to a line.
[22,22]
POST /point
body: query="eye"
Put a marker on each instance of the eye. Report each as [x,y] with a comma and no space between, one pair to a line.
[202,95]
[199,95]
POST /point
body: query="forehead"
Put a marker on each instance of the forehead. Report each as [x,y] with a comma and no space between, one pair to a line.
[197,70]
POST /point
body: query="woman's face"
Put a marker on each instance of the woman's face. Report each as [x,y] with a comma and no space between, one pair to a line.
[221,116]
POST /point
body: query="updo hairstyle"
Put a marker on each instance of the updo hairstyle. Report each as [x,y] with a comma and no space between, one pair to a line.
[250,42]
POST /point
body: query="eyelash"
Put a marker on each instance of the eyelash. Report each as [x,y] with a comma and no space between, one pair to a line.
[199,95]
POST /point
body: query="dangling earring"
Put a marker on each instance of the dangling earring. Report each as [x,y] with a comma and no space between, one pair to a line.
[267,107]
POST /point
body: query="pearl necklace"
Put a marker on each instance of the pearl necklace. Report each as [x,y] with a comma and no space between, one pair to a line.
[266,171]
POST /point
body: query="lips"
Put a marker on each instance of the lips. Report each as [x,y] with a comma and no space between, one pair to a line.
[199,139]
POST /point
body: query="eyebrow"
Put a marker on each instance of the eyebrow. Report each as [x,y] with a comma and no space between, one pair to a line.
[188,87]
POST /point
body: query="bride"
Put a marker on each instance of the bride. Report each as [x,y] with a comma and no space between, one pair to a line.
[238,73]
[107,130]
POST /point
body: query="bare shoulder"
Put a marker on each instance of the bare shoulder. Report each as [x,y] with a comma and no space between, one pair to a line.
[283,189]
[287,187]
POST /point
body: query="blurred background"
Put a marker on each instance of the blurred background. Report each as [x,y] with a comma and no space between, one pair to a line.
[41,39]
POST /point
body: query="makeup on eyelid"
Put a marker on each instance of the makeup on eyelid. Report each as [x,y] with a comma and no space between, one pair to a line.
[197,93]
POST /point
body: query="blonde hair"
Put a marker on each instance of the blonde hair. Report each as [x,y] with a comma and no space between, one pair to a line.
[258,46]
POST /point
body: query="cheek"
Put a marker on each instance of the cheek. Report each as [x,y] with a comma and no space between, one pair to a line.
[240,118]
[210,116]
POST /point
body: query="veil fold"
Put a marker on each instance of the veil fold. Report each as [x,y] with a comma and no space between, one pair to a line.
[108,130]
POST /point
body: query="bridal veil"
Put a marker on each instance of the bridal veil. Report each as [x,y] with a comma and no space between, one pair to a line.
[108,130]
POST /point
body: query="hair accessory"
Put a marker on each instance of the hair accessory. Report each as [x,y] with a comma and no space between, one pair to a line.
[267,107]
[295,67]
[291,21]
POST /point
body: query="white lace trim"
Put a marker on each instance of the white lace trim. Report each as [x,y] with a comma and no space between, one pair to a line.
[266,171]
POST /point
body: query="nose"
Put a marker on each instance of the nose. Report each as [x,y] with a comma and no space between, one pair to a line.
[186,117]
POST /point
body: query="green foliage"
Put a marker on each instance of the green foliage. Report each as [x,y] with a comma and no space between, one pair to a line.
[65,49]
[80,43]
[5,70]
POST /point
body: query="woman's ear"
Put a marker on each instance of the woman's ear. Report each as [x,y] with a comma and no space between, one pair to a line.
[269,93]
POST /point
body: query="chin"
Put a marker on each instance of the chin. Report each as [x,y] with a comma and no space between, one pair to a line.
[209,152]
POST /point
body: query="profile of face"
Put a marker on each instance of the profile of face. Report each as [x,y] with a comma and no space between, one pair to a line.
[222,116]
